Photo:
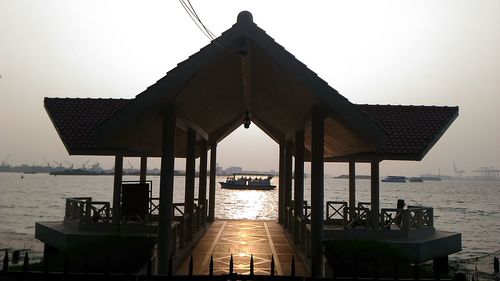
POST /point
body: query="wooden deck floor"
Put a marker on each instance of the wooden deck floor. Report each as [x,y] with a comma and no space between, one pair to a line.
[243,238]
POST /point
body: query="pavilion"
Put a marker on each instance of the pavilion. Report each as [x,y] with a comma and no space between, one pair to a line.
[245,75]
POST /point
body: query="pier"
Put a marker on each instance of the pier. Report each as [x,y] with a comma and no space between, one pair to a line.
[251,81]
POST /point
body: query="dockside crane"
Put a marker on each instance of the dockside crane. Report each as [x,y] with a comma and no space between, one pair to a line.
[458,173]
[59,164]
[84,166]
[4,162]
[70,164]
[46,162]
[130,164]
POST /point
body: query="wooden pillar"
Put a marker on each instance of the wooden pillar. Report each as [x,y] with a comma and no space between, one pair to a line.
[117,189]
[375,196]
[144,169]
[166,190]
[317,193]
[352,184]
[190,178]
[298,188]
[202,180]
[213,176]
[281,184]
[288,176]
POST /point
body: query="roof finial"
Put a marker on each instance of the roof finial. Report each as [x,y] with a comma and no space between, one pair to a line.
[245,16]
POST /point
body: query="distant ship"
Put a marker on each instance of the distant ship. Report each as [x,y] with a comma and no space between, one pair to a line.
[80,172]
[394,179]
[359,177]
[94,170]
[431,178]
[416,179]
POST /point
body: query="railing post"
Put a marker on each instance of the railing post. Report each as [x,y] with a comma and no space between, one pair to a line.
[272,265]
[26,262]
[431,217]
[406,220]
[170,266]
[88,210]
[67,209]
[190,271]
[420,220]
[251,265]
[5,267]
[231,265]
[211,266]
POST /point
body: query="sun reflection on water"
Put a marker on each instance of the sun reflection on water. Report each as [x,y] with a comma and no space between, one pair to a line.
[245,204]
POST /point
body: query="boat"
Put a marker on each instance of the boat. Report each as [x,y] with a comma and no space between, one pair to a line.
[416,179]
[394,179]
[248,181]
[358,177]
[431,178]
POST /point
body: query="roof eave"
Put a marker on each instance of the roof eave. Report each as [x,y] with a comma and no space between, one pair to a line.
[55,125]
[439,134]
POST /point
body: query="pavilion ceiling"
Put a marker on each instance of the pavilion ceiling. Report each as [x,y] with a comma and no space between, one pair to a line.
[242,72]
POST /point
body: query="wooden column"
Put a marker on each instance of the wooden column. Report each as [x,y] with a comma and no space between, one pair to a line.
[288,176]
[190,178]
[166,189]
[213,176]
[117,189]
[281,184]
[202,180]
[144,169]
[298,188]
[352,184]
[317,193]
[375,196]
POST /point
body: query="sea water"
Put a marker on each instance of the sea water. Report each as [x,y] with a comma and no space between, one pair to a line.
[469,207]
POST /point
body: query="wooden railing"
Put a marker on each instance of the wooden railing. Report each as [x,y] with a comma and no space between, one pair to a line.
[357,218]
[336,212]
[84,210]
[366,205]
[414,217]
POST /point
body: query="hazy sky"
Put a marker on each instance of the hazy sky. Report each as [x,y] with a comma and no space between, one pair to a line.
[385,52]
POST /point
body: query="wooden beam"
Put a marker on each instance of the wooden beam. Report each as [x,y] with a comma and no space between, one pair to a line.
[299,182]
[117,189]
[281,184]
[213,176]
[375,196]
[144,169]
[317,193]
[246,76]
[288,174]
[189,184]
[182,117]
[166,189]
[202,178]
[352,184]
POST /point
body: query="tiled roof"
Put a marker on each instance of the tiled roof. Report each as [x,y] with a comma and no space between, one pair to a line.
[75,120]
[411,130]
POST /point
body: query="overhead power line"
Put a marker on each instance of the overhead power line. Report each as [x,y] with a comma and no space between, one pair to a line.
[188,7]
